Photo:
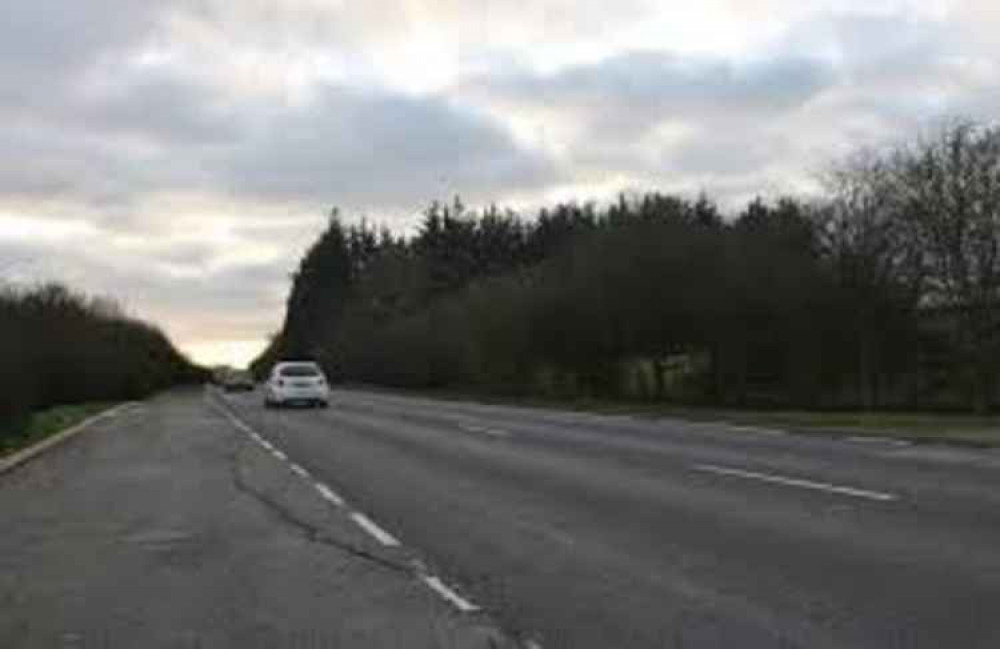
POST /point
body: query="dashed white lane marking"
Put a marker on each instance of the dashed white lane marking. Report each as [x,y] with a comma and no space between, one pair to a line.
[449,595]
[796,482]
[758,430]
[730,426]
[329,494]
[888,441]
[373,529]
[368,525]
[483,430]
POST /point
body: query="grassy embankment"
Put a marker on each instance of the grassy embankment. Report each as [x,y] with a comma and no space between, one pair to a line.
[47,423]
[959,429]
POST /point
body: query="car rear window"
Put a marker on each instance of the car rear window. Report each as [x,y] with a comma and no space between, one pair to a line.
[300,370]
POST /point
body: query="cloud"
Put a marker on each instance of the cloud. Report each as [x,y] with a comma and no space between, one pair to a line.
[47,36]
[378,149]
[195,299]
[181,154]
[634,91]
[161,132]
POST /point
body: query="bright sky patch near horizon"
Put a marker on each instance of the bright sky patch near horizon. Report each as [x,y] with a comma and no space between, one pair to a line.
[180,155]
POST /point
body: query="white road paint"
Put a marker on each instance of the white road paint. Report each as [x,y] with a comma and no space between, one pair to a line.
[758,430]
[449,595]
[888,441]
[368,525]
[483,430]
[796,482]
[374,530]
[731,426]
[329,494]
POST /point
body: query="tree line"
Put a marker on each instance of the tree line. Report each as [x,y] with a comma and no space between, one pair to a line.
[880,293]
[61,347]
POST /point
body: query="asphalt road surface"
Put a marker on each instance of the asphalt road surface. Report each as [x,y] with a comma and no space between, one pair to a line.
[167,526]
[579,530]
[203,520]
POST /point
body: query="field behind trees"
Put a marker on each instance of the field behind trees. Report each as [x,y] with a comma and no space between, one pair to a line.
[881,293]
[59,347]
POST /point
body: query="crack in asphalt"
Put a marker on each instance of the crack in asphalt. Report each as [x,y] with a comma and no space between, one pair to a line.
[314,534]
[509,637]
[311,532]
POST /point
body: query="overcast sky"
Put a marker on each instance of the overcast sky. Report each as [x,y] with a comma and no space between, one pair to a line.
[180,154]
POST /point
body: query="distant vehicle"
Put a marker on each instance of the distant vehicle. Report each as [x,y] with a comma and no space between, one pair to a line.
[296,382]
[238,382]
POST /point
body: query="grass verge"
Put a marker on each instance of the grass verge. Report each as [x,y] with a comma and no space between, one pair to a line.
[966,430]
[47,423]
[958,429]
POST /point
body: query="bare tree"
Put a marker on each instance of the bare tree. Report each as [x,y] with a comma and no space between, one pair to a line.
[952,191]
[871,249]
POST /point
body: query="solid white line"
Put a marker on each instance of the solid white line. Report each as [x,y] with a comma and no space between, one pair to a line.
[279,455]
[796,482]
[496,432]
[298,470]
[369,526]
[329,494]
[456,600]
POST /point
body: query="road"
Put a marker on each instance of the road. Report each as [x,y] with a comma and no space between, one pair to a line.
[198,519]
[581,530]
[164,526]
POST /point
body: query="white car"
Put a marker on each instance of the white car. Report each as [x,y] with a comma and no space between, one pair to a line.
[294,382]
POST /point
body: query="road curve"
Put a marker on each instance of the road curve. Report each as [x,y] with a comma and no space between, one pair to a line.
[580,530]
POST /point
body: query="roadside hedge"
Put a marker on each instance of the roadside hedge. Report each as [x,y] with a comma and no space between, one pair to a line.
[60,347]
